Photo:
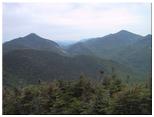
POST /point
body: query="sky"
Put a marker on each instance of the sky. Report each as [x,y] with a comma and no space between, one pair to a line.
[74,21]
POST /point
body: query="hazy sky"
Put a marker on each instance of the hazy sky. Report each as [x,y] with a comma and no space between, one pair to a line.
[74,21]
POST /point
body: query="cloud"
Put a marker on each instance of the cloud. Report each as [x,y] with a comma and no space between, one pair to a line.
[74,20]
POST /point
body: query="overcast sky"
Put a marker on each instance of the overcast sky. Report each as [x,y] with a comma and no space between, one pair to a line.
[74,21]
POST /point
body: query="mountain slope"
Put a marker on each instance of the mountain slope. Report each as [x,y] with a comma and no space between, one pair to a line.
[108,46]
[29,66]
[32,41]
[138,54]
[31,58]
[79,49]
[124,47]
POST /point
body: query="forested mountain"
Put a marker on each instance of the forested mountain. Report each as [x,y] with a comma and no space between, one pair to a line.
[124,47]
[32,41]
[138,55]
[79,49]
[96,76]
[29,66]
[32,58]
[108,46]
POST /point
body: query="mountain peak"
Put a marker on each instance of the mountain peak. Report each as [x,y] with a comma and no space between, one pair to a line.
[123,31]
[32,35]
[126,33]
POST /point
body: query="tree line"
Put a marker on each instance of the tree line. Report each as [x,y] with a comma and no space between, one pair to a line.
[106,96]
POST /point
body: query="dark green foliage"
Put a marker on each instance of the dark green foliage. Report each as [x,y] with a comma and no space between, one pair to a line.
[80,96]
[102,99]
[22,67]
[124,47]
[136,100]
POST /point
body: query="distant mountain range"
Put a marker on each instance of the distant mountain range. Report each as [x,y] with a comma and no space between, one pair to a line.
[107,46]
[124,47]
[31,58]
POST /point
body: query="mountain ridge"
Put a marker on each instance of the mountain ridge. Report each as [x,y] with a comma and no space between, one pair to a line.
[32,58]
[32,41]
